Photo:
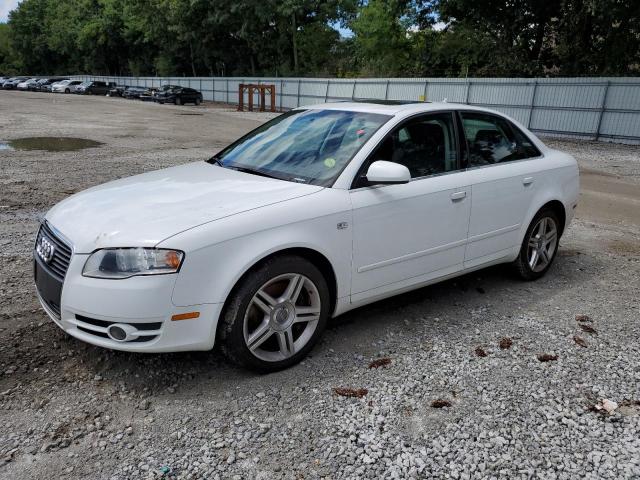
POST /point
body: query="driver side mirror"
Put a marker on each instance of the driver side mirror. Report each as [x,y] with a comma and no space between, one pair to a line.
[382,172]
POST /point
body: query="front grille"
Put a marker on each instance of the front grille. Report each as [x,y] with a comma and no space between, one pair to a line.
[148,331]
[59,263]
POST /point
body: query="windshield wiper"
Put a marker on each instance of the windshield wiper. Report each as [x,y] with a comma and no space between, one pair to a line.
[215,161]
[254,172]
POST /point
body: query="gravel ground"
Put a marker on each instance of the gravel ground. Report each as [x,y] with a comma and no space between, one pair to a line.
[480,377]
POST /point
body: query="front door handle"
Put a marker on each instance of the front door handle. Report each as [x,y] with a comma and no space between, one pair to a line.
[458,196]
[526,181]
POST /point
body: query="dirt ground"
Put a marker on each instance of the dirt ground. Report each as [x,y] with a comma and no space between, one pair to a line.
[70,410]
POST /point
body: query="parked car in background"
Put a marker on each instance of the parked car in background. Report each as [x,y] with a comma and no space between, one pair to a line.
[317,212]
[13,82]
[24,85]
[35,86]
[94,87]
[133,92]
[116,91]
[163,89]
[65,86]
[45,84]
[149,94]
[179,96]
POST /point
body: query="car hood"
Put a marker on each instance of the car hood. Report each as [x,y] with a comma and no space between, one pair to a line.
[145,209]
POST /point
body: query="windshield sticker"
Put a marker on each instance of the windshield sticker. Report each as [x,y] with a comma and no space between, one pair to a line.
[329,162]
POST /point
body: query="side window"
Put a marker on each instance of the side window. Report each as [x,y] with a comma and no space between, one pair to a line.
[426,145]
[492,139]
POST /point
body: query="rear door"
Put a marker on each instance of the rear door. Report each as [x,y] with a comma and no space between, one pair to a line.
[503,183]
[407,234]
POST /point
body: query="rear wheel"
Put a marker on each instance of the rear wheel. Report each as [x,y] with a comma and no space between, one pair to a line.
[66,90]
[197,102]
[276,315]
[539,246]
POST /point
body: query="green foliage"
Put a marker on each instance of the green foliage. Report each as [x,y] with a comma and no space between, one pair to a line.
[9,64]
[299,37]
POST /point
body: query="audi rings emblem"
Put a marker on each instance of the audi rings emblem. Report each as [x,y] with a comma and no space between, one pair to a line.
[45,249]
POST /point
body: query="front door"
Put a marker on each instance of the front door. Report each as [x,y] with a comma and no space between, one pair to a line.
[407,234]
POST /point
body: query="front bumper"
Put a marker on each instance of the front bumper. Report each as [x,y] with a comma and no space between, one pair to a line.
[89,305]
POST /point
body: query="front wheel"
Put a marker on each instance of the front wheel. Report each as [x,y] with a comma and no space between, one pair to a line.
[539,246]
[197,101]
[67,91]
[275,315]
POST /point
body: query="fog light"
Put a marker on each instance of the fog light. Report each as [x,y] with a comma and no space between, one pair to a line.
[121,332]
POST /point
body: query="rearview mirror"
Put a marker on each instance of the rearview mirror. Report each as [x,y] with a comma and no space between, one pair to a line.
[382,172]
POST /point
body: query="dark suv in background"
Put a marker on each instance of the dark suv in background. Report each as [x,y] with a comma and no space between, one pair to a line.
[178,96]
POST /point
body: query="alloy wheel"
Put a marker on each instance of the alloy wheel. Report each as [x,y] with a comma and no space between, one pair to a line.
[542,244]
[282,317]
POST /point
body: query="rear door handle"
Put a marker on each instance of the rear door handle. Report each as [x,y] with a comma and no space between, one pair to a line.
[458,196]
[526,181]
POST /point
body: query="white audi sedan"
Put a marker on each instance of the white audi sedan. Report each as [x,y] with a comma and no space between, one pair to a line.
[319,211]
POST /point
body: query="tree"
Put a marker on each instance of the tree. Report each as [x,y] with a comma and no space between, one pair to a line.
[9,63]
[383,43]
[298,37]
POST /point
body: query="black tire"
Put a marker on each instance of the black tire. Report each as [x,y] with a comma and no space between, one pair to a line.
[542,263]
[197,102]
[239,304]
[66,90]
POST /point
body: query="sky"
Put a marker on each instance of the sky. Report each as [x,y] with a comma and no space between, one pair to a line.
[5,7]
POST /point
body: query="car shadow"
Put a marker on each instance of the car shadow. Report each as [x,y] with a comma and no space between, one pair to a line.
[41,349]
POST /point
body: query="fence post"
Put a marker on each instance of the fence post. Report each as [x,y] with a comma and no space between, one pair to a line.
[353,92]
[326,93]
[281,92]
[386,91]
[426,84]
[466,100]
[602,109]
[298,101]
[227,90]
[533,102]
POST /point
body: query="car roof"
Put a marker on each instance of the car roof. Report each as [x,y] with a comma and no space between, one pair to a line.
[387,107]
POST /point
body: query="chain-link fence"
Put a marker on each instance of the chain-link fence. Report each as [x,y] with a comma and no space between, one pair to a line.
[593,108]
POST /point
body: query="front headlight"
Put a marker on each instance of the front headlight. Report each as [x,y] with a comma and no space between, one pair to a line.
[119,263]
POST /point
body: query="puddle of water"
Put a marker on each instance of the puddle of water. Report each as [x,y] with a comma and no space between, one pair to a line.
[49,144]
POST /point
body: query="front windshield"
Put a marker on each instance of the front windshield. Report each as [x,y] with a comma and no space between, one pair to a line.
[306,146]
